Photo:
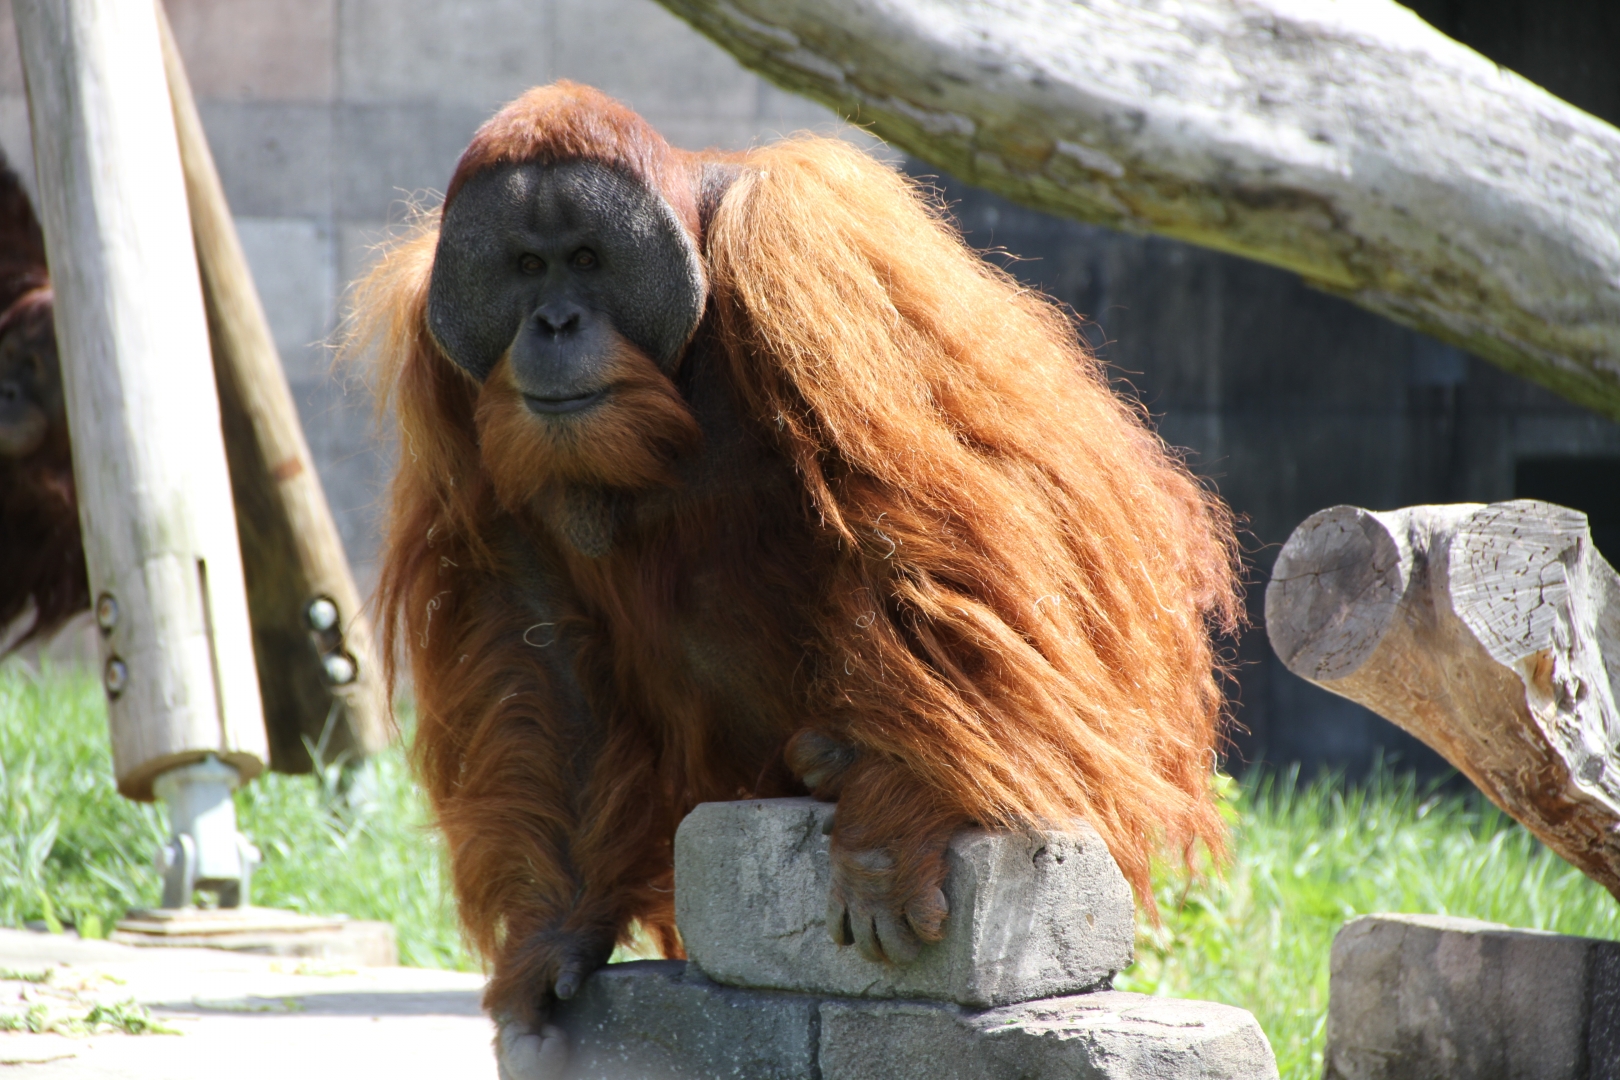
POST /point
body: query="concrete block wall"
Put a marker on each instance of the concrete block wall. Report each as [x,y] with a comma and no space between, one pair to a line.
[328,118]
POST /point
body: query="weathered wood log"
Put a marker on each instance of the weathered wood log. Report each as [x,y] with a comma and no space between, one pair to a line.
[319,683]
[154,492]
[1350,142]
[1492,633]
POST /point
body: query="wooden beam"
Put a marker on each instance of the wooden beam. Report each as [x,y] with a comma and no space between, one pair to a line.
[1492,633]
[1349,142]
[154,492]
[291,551]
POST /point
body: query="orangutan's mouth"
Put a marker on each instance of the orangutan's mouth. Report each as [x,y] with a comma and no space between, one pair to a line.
[560,406]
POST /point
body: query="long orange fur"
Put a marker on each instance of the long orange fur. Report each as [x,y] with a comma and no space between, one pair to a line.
[987,574]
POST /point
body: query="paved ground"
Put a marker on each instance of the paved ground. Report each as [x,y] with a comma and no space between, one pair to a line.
[241,1017]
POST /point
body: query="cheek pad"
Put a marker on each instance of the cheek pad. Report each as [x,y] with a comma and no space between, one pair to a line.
[654,289]
[470,313]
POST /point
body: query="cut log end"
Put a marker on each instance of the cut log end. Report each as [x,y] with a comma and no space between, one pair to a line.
[1335,586]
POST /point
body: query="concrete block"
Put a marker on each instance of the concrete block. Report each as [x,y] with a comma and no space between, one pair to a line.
[1417,996]
[294,263]
[1030,916]
[481,53]
[652,61]
[16,139]
[392,153]
[359,245]
[257,50]
[354,464]
[1110,1035]
[784,112]
[11,76]
[274,158]
[662,1020]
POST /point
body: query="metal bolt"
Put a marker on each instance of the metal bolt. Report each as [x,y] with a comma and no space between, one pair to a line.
[116,677]
[322,614]
[340,668]
[106,612]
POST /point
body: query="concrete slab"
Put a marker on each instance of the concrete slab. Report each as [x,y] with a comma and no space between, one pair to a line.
[294,263]
[662,1020]
[1103,1036]
[248,1017]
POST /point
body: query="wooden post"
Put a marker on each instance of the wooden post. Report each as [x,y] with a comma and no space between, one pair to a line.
[154,493]
[1492,633]
[311,642]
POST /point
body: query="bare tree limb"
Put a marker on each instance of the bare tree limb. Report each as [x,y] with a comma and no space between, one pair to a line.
[1349,142]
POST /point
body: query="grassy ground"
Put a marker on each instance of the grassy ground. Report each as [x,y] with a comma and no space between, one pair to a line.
[1305,858]
[72,850]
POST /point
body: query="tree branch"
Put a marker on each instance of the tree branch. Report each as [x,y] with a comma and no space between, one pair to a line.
[1351,143]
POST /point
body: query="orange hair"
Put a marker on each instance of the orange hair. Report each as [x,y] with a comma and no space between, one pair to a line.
[1024,616]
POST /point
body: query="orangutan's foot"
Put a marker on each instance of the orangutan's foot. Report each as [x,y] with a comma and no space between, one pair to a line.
[820,762]
[525,1053]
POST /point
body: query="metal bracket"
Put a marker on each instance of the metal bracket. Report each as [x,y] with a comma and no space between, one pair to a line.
[204,850]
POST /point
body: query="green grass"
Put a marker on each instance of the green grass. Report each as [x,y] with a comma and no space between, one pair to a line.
[1305,858]
[73,851]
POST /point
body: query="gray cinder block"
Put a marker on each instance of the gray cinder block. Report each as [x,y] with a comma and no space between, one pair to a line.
[1419,996]
[1030,916]
[662,1020]
[1110,1035]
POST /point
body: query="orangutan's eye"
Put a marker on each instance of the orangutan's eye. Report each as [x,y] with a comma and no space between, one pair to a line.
[583,259]
[531,264]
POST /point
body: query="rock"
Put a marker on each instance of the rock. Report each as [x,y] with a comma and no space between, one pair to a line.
[1031,916]
[1418,996]
[663,1020]
[1110,1035]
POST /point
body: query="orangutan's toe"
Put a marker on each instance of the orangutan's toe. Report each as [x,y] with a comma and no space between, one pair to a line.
[867,908]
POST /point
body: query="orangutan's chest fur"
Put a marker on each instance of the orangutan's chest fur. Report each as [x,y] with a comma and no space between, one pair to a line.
[692,584]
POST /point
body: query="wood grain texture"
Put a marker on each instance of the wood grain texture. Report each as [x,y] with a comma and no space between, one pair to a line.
[1491,632]
[291,550]
[154,491]
[1349,142]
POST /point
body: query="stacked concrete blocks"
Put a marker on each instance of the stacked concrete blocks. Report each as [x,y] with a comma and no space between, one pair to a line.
[1019,987]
